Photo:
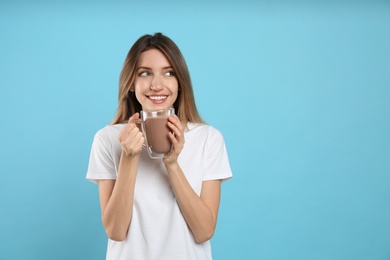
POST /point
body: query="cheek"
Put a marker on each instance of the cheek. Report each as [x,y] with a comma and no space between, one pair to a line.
[141,85]
[174,87]
[139,91]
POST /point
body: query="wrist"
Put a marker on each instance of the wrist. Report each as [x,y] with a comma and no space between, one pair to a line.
[129,157]
[171,165]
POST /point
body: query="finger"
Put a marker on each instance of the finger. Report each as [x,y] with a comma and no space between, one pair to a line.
[140,143]
[176,121]
[178,132]
[126,131]
[177,144]
[175,125]
[133,133]
[133,118]
[129,133]
[133,143]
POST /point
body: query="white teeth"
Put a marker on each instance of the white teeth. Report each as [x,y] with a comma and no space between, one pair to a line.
[157,97]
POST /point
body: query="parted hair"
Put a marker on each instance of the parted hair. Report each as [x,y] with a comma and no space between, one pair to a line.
[128,104]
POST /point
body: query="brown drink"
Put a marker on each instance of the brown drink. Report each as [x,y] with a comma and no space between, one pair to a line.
[155,130]
[157,134]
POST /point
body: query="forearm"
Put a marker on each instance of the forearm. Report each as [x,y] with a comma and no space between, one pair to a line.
[117,214]
[197,214]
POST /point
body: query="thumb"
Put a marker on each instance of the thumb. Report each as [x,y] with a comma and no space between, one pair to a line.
[134,118]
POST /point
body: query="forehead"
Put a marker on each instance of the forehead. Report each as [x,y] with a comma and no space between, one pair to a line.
[153,58]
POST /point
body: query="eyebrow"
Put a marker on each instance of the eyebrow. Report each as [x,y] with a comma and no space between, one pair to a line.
[148,68]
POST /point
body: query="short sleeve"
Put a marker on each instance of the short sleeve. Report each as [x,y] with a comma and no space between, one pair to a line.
[217,164]
[101,161]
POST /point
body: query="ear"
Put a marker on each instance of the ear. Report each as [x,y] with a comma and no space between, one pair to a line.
[132,88]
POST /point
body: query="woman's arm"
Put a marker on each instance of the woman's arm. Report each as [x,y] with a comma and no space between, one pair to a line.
[117,196]
[116,199]
[200,212]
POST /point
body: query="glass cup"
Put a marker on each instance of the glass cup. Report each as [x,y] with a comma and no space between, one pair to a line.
[155,130]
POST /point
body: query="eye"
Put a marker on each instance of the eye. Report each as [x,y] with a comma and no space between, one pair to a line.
[170,73]
[144,73]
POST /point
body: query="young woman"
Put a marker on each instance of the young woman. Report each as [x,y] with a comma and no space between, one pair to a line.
[165,208]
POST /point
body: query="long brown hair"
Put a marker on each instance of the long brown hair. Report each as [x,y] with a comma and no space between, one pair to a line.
[128,104]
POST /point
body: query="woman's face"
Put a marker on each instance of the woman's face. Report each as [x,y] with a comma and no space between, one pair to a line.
[156,86]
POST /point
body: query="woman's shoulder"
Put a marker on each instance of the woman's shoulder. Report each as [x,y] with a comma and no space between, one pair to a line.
[203,129]
[109,131]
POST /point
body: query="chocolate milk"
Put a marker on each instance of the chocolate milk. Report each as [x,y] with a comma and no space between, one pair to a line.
[157,134]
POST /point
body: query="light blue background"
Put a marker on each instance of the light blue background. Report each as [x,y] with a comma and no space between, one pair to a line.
[300,90]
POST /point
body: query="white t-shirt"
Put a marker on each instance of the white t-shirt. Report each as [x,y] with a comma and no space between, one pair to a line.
[158,229]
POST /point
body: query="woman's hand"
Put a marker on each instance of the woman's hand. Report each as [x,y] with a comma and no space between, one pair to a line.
[177,139]
[131,137]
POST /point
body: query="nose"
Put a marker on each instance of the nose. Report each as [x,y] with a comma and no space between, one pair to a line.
[156,84]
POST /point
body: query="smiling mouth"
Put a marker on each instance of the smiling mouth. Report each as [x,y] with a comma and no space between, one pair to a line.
[157,98]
